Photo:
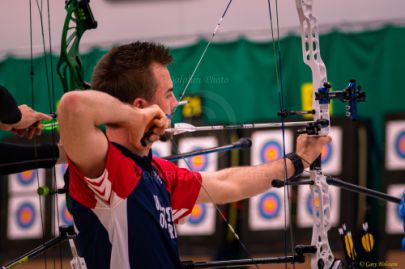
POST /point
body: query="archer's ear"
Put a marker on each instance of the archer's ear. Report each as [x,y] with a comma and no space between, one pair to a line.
[140,103]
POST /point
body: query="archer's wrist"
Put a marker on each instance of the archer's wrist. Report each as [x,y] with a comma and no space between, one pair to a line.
[132,117]
[297,163]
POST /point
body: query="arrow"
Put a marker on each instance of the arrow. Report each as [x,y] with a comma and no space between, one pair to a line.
[180,128]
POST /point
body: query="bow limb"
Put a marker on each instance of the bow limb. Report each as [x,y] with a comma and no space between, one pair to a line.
[323,257]
[79,19]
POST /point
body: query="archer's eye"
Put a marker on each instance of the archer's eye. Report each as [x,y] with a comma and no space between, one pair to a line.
[170,95]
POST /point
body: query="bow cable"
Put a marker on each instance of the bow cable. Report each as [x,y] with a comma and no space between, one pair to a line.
[49,74]
[278,70]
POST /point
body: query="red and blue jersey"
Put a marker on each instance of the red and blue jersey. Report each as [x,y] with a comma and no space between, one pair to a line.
[125,218]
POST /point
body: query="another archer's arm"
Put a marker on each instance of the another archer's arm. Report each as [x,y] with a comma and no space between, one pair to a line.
[237,183]
[16,158]
[22,119]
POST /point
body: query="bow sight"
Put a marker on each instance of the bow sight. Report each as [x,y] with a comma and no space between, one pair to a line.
[352,95]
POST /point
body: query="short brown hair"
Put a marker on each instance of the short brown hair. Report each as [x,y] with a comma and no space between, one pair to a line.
[124,72]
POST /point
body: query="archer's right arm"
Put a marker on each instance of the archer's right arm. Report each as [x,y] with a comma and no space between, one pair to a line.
[79,114]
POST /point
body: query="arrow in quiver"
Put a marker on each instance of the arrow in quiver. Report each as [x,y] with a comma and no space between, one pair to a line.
[348,247]
[367,240]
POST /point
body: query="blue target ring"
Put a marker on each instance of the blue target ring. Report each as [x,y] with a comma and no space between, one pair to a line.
[65,215]
[400,144]
[308,204]
[198,214]
[199,162]
[269,205]
[270,151]
[398,213]
[25,215]
[26,178]
[63,169]
[156,153]
[327,152]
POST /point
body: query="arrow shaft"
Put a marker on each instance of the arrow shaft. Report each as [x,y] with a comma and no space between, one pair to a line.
[179,130]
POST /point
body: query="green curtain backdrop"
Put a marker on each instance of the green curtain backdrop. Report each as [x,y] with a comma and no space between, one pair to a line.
[237,80]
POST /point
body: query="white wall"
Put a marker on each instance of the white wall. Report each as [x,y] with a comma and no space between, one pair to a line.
[176,22]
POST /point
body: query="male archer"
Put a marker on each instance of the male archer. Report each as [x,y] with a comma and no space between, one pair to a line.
[124,200]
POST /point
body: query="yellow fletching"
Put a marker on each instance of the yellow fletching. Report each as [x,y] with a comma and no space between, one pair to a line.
[367,241]
[351,252]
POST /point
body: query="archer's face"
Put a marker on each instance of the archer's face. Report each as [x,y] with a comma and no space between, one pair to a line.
[164,96]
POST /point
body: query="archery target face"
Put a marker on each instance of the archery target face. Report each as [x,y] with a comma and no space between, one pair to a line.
[198,163]
[331,156]
[305,206]
[395,145]
[326,153]
[266,211]
[394,223]
[267,146]
[205,162]
[201,221]
[161,149]
[24,219]
[269,205]
[60,170]
[62,215]
[400,144]
[26,181]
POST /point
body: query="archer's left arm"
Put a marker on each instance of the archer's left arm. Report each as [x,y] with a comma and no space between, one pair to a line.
[237,183]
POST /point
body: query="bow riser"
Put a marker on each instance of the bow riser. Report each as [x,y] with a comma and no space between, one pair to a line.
[323,257]
[312,57]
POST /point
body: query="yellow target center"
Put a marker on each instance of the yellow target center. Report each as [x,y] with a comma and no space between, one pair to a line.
[402,144]
[26,174]
[269,205]
[323,152]
[68,215]
[198,160]
[317,202]
[196,210]
[271,154]
[25,215]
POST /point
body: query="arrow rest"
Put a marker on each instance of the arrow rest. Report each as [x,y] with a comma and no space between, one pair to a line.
[314,128]
[285,113]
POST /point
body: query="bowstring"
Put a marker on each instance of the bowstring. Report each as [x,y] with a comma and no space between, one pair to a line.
[280,86]
[53,133]
[181,96]
[32,80]
[213,35]
[49,75]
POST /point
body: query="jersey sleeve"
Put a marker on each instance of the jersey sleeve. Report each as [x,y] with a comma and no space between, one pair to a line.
[120,177]
[182,184]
